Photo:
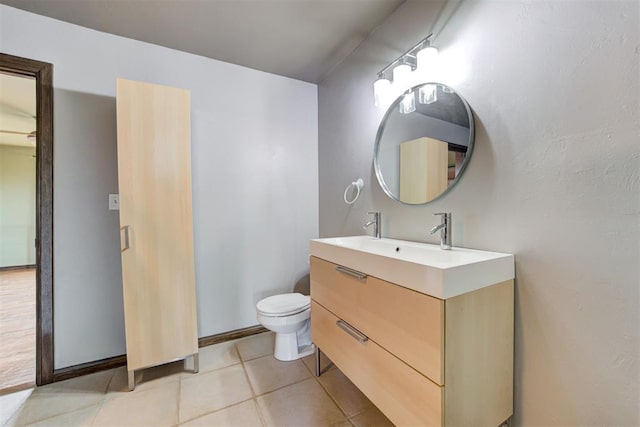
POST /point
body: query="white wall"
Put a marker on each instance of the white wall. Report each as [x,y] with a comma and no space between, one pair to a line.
[17,206]
[554,179]
[254,167]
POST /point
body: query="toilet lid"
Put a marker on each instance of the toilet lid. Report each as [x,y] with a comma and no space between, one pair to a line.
[284,304]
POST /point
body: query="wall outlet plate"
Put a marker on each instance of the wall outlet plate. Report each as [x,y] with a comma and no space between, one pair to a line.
[114,202]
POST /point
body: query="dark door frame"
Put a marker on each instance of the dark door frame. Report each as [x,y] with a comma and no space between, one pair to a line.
[43,73]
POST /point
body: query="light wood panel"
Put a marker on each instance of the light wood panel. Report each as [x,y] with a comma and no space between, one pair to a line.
[405,396]
[154,177]
[479,357]
[17,329]
[423,169]
[408,324]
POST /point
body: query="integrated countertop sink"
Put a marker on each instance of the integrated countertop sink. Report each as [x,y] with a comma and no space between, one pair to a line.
[419,266]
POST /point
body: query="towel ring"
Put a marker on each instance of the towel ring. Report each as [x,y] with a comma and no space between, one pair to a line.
[358,186]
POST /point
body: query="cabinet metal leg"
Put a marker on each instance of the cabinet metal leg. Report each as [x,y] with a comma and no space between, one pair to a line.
[196,363]
[132,380]
[317,354]
[192,363]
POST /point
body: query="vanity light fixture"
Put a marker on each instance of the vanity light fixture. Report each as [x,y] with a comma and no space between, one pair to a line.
[415,66]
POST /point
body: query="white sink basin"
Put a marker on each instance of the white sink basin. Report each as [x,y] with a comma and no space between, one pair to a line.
[419,266]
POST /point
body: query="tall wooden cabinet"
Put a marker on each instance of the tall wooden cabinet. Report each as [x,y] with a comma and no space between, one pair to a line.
[154,178]
[424,169]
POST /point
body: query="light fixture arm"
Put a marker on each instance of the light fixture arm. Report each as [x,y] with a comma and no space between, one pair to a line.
[407,57]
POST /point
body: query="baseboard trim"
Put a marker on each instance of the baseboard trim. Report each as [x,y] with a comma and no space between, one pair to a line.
[16,388]
[231,335]
[89,368]
[18,267]
[121,360]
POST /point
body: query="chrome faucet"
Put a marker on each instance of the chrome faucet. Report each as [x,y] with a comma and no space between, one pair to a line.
[377,225]
[445,230]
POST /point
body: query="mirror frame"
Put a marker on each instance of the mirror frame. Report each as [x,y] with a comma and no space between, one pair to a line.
[392,108]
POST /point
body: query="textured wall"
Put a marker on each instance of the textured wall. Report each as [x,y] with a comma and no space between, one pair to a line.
[254,173]
[17,206]
[554,179]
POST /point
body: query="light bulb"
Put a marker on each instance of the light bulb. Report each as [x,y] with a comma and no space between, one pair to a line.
[427,56]
[381,91]
[427,62]
[408,103]
[428,94]
[401,78]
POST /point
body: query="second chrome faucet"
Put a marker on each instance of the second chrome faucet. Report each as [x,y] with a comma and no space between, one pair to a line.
[445,230]
[377,224]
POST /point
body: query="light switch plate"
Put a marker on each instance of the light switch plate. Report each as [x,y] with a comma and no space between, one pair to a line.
[114,202]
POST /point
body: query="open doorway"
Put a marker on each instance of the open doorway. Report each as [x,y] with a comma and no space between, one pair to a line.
[26,223]
[18,141]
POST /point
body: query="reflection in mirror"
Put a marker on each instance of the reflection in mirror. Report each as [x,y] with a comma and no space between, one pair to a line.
[420,155]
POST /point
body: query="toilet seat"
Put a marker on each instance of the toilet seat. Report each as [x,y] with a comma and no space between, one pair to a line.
[283,305]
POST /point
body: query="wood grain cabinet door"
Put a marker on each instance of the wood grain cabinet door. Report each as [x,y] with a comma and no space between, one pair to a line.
[154,178]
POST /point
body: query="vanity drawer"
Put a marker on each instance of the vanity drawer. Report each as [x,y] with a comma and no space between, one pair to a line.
[405,396]
[406,323]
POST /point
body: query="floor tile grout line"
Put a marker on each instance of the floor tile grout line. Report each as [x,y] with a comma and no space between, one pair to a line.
[98,408]
[39,420]
[335,401]
[213,412]
[249,338]
[104,398]
[284,386]
[246,375]
[179,400]
[362,411]
[183,375]
[347,417]
[203,372]
[257,357]
[254,397]
[82,408]
[113,374]
[261,417]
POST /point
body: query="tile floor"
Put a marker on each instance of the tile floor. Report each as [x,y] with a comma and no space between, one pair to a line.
[239,384]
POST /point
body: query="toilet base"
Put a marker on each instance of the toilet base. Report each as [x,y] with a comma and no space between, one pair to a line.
[286,348]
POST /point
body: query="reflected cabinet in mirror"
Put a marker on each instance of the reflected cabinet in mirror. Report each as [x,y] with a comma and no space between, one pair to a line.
[423,147]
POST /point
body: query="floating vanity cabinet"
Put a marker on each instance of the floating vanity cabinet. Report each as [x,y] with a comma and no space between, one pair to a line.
[422,360]
[154,178]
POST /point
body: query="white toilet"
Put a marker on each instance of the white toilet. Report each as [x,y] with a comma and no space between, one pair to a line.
[289,316]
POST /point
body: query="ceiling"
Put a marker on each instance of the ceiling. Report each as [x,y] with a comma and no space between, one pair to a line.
[301,39]
[17,109]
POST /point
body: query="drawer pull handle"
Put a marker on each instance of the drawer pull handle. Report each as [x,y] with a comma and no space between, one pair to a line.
[350,272]
[362,338]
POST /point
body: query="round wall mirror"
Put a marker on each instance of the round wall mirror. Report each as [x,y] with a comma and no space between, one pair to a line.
[424,144]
